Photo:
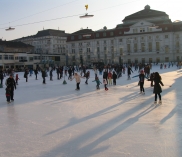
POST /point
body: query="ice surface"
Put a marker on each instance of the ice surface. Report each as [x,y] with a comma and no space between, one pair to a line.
[54,120]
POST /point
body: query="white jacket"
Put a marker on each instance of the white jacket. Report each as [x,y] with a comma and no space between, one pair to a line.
[77,78]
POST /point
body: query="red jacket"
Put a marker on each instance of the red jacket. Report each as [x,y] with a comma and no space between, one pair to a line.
[109,75]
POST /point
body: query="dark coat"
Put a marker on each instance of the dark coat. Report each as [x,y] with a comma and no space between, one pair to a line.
[157,87]
[1,75]
[50,73]
[129,70]
[114,76]
[11,83]
[43,74]
[105,74]
[141,78]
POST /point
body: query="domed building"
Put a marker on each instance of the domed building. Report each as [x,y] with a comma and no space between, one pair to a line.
[144,37]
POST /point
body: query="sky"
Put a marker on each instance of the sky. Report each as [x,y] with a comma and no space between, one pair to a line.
[109,13]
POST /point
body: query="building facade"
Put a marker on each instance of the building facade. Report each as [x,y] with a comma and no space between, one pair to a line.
[143,37]
[49,44]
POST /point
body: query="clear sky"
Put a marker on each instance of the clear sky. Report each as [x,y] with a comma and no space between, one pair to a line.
[106,13]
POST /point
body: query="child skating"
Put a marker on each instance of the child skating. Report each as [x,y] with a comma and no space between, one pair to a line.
[98,83]
[141,81]
[105,84]
[8,94]
[110,78]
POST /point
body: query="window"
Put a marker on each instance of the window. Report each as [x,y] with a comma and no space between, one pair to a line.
[166,28]
[177,51]
[120,40]
[73,50]
[157,60]
[142,38]
[97,35]
[0,57]
[11,57]
[121,51]
[31,59]
[136,60]
[112,48]
[177,44]
[142,30]
[166,49]
[128,47]
[97,42]
[143,47]
[135,31]
[111,33]
[135,47]
[88,49]
[157,37]
[80,50]
[177,58]
[73,45]
[104,41]
[98,49]
[112,42]
[166,36]
[104,34]
[6,57]
[79,37]
[72,37]
[166,59]
[143,60]
[105,48]
[80,44]
[150,37]
[88,44]
[150,60]
[150,47]
[157,46]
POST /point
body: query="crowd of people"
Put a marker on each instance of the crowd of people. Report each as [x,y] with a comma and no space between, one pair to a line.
[110,74]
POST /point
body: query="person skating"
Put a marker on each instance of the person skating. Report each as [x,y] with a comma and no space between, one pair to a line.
[157,88]
[16,78]
[70,73]
[1,77]
[141,81]
[36,72]
[50,73]
[98,82]
[114,77]
[77,79]
[26,75]
[11,82]
[110,78]
[44,76]
[8,93]
[87,75]
[129,72]
[105,84]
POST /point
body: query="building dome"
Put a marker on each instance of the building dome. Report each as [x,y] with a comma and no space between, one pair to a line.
[147,7]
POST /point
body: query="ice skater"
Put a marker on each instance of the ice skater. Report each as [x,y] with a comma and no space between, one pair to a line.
[141,81]
[98,82]
[105,84]
[157,87]
[110,78]
[77,79]
[87,75]
[16,79]
[114,77]
[8,93]
[129,72]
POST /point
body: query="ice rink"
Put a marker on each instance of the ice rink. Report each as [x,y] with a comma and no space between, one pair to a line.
[54,120]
